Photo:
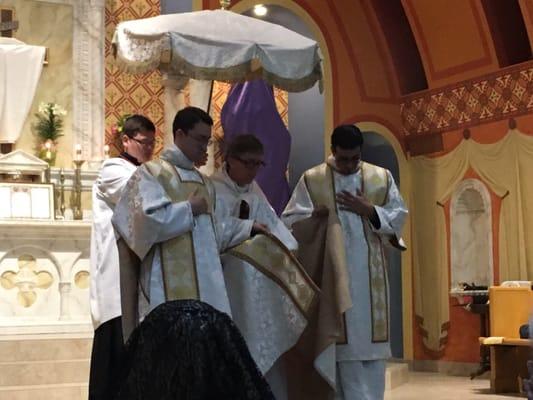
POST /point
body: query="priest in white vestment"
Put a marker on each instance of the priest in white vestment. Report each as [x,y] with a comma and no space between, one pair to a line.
[138,138]
[166,218]
[365,201]
[270,320]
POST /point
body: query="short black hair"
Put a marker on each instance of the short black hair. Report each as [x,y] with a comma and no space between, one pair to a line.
[244,144]
[137,123]
[346,137]
[188,117]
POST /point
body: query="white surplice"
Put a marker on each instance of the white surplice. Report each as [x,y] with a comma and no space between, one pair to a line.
[105,277]
[146,216]
[392,214]
[268,319]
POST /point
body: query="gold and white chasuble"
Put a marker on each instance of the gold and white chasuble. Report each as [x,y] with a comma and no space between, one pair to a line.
[179,253]
[367,321]
[269,291]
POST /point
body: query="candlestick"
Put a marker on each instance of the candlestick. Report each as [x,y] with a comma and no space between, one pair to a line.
[78,152]
[62,193]
[76,209]
[106,151]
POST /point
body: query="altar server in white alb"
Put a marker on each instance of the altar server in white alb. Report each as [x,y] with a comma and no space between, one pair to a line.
[166,219]
[138,138]
[269,291]
[364,199]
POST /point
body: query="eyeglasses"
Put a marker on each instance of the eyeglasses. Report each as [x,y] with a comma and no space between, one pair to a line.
[250,163]
[144,142]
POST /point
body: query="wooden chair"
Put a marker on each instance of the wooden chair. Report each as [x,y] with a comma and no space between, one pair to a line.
[509,308]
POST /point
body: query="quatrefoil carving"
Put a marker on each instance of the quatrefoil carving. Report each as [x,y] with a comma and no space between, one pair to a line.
[26,280]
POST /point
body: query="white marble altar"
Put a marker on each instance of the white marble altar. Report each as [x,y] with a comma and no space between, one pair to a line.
[44,276]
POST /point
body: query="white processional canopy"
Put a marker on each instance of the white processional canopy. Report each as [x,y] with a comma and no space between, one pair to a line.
[218,45]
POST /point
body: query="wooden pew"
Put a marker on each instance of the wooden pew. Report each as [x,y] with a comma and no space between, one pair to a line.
[510,307]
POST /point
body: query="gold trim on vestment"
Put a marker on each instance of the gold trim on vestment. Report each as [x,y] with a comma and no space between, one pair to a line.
[270,256]
[178,259]
[375,187]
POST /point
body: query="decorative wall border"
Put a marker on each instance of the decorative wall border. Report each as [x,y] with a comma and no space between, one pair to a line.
[477,101]
[88,77]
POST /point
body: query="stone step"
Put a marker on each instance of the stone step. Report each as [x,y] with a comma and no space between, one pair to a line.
[396,375]
[14,348]
[19,373]
[66,391]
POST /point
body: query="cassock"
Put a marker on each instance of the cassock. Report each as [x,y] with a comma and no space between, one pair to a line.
[105,278]
[269,300]
[178,253]
[105,285]
[361,360]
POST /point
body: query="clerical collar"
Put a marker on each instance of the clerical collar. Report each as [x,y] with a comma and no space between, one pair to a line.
[331,162]
[130,158]
[231,183]
[175,156]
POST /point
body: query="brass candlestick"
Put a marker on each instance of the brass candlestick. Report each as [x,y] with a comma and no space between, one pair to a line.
[62,193]
[76,203]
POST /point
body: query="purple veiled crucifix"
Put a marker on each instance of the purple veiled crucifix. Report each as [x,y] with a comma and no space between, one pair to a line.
[250,109]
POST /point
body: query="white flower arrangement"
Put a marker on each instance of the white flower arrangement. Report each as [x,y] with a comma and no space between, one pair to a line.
[48,128]
[50,121]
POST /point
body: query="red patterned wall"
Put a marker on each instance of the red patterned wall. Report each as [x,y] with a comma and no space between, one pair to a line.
[125,93]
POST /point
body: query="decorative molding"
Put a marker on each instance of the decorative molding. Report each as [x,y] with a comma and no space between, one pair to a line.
[490,98]
[88,77]
[59,248]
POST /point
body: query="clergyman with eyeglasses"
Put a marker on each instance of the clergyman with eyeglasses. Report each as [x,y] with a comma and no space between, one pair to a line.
[138,138]
[270,293]
[166,218]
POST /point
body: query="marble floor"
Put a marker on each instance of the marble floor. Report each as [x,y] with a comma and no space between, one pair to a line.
[432,386]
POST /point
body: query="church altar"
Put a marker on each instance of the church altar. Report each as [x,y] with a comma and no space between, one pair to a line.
[44,259]
[44,276]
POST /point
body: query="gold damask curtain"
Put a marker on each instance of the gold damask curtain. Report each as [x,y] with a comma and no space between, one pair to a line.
[506,167]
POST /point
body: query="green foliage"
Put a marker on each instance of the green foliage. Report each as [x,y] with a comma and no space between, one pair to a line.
[49,122]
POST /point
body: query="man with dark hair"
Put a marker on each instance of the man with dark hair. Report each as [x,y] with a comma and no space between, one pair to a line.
[138,138]
[260,274]
[166,218]
[360,208]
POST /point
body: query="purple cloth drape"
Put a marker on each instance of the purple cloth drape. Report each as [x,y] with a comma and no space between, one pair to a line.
[250,109]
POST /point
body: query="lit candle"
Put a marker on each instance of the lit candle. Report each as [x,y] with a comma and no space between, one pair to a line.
[78,152]
[106,151]
[48,147]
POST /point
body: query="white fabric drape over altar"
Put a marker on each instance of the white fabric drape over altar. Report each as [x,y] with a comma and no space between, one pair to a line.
[20,70]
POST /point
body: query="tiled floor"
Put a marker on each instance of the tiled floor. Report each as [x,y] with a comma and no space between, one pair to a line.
[432,386]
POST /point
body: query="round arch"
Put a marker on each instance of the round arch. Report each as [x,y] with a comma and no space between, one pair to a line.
[327,79]
[407,266]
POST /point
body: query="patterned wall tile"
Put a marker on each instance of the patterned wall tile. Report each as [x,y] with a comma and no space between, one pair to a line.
[125,93]
[493,97]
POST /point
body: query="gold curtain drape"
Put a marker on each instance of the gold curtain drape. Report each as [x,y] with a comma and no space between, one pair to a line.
[504,167]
